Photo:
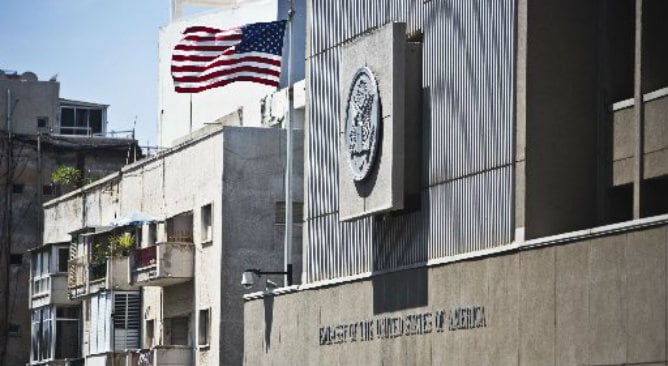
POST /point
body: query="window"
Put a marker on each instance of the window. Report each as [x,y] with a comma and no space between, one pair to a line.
[17,188]
[16,259]
[177,330]
[14,330]
[67,332]
[47,190]
[152,234]
[40,272]
[180,228]
[297,213]
[80,121]
[42,122]
[63,257]
[150,329]
[41,334]
[207,228]
[204,321]
[126,320]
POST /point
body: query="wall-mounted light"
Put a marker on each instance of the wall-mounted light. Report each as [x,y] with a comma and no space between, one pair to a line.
[248,277]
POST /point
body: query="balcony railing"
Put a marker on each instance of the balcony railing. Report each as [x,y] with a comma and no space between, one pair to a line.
[160,355]
[85,278]
[77,273]
[144,257]
[180,236]
[163,264]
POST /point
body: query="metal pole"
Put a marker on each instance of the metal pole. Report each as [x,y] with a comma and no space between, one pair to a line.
[638,204]
[288,163]
[191,113]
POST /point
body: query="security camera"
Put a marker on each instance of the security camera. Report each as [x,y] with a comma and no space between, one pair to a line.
[247,279]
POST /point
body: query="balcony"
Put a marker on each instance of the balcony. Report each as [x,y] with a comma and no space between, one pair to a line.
[655,137]
[160,356]
[163,264]
[86,278]
[49,289]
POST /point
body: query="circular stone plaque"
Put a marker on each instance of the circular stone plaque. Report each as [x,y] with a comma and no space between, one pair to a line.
[362,123]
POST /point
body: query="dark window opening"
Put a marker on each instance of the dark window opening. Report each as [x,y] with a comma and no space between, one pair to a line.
[621,203]
[95,121]
[207,224]
[67,332]
[80,121]
[17,188]
[47,190]
[42,122]
[16,259]
[14,330]
[297,213]
[63,257]
[178,330]
[150,326]
[204,315]
[655,196]
[152,234]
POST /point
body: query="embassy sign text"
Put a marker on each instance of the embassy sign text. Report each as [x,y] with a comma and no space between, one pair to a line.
[459,318]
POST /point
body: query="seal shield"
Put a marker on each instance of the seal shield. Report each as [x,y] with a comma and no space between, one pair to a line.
[362,123]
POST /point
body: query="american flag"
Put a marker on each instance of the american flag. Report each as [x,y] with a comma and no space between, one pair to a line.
[207,57]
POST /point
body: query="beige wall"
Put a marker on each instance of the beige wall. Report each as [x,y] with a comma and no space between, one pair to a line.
[599,301]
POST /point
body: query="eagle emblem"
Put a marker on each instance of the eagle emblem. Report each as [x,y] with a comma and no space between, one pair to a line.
[362,123]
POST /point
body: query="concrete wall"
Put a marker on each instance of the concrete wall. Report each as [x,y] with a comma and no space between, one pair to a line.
[655,140]
[596,301]
[253,176]
[30,99]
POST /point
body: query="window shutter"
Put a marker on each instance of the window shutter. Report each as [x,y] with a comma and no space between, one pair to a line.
[127,309]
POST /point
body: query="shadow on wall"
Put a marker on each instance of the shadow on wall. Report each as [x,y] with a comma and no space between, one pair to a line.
[268,321]
[400,238]
[400,290]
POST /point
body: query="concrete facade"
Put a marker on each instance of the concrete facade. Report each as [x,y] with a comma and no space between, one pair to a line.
[226,181]
[598,300]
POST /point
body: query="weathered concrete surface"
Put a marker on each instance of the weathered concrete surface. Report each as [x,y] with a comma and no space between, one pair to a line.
[655,141]
[600,301]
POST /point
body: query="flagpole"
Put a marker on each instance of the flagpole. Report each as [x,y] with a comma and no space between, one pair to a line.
[191,113]
[288,163]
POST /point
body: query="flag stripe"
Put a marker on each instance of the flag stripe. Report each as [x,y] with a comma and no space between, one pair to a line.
[184,47]
[217,37]
[215,74]
[197,89]
[178,67]
[203,29]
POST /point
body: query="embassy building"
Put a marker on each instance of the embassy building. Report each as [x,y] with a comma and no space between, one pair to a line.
[485,183]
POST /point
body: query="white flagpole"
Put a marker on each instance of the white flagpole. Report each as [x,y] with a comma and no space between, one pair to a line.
[288,163]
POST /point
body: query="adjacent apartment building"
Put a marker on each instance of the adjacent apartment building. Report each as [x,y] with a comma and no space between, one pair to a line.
[142,267]
[486,183]
[39,132]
